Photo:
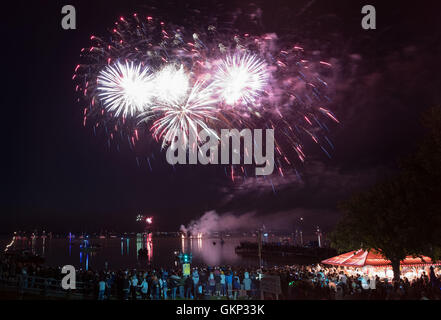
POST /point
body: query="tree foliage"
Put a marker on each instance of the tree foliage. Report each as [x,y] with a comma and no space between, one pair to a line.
[400,216]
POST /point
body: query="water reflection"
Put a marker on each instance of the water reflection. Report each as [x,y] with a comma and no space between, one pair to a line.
[139,243]
[117,253]
[70,243]
[149,245]
[214,253]
[211,251]
[127,246]
[183,244]
[144,247]
[33,240]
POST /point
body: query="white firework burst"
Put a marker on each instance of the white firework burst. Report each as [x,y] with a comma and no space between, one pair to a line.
[241,78]
[171,82]
[183,116]
[126,89]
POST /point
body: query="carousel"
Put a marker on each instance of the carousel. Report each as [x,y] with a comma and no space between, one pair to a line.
[372,263]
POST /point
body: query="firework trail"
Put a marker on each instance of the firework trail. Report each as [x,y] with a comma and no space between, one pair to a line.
[151,80]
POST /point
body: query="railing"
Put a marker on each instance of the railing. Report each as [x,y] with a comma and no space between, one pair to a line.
[50,287]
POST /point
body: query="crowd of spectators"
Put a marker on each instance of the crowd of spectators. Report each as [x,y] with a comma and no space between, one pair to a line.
[313,282]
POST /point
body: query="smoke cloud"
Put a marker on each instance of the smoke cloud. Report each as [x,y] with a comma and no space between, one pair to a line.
[212,221]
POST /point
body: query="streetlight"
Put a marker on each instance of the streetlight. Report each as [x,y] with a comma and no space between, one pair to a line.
[319,237]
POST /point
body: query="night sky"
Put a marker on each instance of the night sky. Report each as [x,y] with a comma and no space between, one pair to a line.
[57,175]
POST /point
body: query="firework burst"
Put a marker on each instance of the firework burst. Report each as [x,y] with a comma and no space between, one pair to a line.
[184,115]
[125,88]
[182,79]
[171,83]
[241,79]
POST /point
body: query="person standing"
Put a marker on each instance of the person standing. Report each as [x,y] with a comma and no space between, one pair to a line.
[254,286]
[229,281]
[223,284]
[126,287]
[364,282]
[161,287]
[188,287]
[217,280]
[236,286]
[109,282]
[101,289]
[164,287]
[155,288]
[203,280]
[173,283]
[372,283]
[247,283]
[343,279]
[144,287]
[195,279]
[134,286]
[182,287]
[212,284]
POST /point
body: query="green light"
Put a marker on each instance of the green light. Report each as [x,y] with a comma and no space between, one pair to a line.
[185,258]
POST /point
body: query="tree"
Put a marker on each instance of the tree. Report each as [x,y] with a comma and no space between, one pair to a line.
[379,219]
[400,216]
[422,172]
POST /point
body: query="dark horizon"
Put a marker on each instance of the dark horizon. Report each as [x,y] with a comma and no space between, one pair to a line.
[61,177]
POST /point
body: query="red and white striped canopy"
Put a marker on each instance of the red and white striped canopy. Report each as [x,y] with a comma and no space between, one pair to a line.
[363,258]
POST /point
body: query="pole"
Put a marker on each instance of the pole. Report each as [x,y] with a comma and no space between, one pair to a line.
[259,239]
[260,248]
[319,237]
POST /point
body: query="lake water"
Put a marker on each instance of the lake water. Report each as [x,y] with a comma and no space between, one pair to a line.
[122,253]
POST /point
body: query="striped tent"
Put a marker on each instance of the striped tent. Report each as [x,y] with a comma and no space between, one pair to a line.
[361,258]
